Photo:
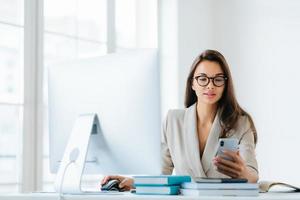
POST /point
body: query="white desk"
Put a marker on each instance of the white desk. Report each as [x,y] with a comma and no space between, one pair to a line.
[128,196]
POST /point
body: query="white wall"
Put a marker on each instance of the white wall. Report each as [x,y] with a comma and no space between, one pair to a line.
[176,50]
[194,30]
[261,41]
[168,47]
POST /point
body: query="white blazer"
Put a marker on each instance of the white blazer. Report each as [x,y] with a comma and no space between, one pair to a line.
[180,146]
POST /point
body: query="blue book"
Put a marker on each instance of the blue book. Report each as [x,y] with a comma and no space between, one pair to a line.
[160,180]
[157,190]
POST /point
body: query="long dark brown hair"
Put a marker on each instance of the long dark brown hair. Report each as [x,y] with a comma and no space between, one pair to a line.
[229,108]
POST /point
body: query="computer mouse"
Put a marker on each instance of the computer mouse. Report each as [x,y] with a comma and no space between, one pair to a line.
[111,185]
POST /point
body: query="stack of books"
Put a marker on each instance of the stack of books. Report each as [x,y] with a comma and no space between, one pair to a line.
[219,187]
[159,185]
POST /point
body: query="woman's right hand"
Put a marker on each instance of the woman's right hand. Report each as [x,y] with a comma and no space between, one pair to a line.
[126,183]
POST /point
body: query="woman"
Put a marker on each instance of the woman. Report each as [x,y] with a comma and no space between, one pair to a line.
[190,136]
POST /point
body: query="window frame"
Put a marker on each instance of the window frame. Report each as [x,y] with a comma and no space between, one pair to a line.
[32,139]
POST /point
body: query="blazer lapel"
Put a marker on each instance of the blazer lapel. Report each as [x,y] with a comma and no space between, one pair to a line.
[211,144]
[192,143]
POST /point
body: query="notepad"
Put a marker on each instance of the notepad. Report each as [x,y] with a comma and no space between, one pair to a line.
[265,186]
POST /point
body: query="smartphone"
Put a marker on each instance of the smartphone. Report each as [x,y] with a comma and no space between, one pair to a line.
[229,144]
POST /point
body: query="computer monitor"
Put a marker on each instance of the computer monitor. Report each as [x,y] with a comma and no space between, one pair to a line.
[123,90]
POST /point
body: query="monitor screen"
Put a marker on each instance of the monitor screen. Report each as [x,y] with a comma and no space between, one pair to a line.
[123,89]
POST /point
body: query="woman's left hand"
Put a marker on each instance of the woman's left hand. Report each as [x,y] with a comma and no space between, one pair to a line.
[235,168]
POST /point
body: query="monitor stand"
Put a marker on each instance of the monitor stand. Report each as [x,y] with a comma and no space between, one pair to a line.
[68,178]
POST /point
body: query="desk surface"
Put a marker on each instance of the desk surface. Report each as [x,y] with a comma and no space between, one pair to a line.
[127,196]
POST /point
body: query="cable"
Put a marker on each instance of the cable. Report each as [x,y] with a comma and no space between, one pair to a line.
[62,179]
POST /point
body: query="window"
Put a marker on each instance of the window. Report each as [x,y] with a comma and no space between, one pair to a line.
[11,92]
[136,24]
[71,30]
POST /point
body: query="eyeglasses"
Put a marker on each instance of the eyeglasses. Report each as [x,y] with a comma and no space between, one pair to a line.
[204,80]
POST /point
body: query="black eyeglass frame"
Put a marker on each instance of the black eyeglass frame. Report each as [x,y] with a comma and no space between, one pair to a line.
[211,78]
